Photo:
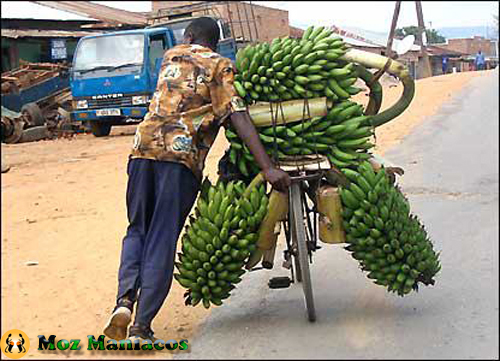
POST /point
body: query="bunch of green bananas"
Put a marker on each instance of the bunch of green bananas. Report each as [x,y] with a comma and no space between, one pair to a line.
[342,135]
[219,239]
[290,69]
[389,242]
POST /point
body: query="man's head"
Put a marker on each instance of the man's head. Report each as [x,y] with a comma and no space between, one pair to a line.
[203,31]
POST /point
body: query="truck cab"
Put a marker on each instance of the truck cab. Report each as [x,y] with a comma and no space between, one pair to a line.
[114,75]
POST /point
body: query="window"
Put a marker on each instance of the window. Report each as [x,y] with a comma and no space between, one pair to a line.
[157,46]
[110,50]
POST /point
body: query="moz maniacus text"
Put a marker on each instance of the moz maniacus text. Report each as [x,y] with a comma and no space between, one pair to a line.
[109,345]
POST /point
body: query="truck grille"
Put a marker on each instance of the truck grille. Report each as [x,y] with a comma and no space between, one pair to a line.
[109,103]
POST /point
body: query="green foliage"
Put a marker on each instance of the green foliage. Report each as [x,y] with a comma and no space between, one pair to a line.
[433,37]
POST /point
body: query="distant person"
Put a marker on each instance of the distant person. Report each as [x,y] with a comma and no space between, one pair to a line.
[479,61]
[444,64]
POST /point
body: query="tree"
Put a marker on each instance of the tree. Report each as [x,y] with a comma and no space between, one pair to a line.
[433,37]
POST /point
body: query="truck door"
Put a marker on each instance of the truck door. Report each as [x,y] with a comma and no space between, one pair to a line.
[158,44]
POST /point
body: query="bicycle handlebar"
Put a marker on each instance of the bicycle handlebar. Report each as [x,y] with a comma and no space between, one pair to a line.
[305,177]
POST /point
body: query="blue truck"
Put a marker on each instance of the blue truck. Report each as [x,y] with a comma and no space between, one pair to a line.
[114,75]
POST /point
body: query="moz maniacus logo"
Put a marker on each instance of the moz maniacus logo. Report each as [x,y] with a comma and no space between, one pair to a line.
[15,344]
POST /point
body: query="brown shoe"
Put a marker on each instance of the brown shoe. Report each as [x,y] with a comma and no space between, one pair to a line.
[116,328]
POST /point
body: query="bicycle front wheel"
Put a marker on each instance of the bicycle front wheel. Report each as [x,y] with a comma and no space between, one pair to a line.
[299,239]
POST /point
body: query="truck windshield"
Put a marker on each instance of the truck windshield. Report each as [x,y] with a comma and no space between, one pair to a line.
[178,30]
[109,52]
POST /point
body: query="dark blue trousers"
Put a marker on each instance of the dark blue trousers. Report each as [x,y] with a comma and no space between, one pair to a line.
[159,198]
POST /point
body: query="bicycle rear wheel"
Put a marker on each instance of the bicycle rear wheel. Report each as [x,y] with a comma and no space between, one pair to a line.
[299,239]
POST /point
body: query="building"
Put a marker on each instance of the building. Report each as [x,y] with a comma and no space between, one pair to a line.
[469,47]
[49,33]
[248,22]
[28,36]
[472,45]
[38,45]
[296,33]
[458,60]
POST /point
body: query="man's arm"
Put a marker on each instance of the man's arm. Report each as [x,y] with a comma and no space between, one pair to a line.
[246,131]
[224,98]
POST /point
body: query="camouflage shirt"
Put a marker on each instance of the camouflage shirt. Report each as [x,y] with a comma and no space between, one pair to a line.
[193,97]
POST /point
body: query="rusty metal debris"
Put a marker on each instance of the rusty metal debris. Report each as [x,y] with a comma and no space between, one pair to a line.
[16,127]
[47,114]
[30,74]
[12,126]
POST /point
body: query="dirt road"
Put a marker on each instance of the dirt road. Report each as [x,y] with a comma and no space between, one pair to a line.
[63,207]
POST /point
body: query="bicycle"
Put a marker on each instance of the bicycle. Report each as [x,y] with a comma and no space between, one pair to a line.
[301,226]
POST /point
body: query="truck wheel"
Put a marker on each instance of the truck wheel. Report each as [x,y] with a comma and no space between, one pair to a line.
[33,114]
[34,134]
[100,129]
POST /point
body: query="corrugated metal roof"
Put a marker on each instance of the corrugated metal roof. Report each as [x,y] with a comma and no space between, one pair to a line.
[436,50]
[30,10]
[356,42]
[372,38]
[14,33]
[97,11]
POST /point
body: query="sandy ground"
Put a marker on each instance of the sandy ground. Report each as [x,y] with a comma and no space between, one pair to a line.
[63,206]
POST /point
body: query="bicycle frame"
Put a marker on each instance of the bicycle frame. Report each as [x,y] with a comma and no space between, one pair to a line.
[310,214]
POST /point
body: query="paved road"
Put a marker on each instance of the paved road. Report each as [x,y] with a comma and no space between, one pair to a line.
[451,179]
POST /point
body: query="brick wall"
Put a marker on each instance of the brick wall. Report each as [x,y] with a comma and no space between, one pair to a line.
[269,23]
[472,45]
[157,5]
[296,32]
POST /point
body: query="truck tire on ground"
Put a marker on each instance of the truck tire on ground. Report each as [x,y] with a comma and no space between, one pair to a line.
[34,134]
[33,114]
[100,129]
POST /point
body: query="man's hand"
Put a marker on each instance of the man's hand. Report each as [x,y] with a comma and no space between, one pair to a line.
[279,179]
[246,131]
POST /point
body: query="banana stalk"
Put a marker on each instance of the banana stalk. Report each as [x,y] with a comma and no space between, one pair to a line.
[278,211]
[375,90]
[268,256]
[257,181]
[293,110]
[329,208]
[254,259]
[371,60]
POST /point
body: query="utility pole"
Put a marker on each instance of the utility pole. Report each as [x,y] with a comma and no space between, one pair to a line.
[424,63]
[393,29]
